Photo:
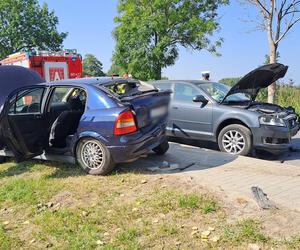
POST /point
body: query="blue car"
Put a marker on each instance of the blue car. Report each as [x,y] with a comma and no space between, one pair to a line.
[96,122]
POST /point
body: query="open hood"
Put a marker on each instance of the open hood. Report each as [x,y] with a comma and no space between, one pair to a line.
[258,79]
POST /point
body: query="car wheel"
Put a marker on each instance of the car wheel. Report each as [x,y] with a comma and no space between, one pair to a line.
[162,148]
[235,139]
[2,159]
[94,157]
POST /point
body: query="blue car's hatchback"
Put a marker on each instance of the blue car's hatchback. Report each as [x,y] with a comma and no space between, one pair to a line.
[97,122]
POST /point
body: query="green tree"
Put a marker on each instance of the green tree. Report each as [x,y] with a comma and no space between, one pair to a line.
[148,33]
[92,66]
[115,70]
[25,25]
[230,80]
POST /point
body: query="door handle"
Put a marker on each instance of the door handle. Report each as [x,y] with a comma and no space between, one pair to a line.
[37,116]
[174,107]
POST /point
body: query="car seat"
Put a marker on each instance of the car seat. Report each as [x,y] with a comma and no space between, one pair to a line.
[66,123]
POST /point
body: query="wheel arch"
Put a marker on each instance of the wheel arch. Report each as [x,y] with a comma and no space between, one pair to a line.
[230,121]
[87,135]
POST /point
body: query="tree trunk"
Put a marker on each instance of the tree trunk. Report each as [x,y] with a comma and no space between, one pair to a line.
[157,65]
[273,59]
[157,71]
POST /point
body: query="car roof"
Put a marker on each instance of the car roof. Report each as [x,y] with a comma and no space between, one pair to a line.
[182,81]
[90,81]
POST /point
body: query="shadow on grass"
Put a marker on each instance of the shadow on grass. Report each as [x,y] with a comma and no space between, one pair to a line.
[61,170]
[64,170]
[186,159]
[17,169]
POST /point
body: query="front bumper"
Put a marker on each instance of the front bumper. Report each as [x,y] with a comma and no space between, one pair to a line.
[272,138]
[135,145]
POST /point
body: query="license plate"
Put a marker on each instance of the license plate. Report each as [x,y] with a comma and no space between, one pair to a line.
[157,112]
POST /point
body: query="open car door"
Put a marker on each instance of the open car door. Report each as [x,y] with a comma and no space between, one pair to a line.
[23,122]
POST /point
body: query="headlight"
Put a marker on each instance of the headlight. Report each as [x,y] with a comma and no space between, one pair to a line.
[272,121]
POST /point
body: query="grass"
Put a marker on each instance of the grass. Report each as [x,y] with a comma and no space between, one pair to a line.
[192,201]
[248,229]
[112,212]
[128,238]
[5,241]
[189,201]
[67,226]
[20,191]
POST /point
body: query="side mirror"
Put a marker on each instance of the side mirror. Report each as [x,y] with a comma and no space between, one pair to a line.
[200,98]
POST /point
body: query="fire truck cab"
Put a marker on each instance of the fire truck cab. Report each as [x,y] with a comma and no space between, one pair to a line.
[52,66]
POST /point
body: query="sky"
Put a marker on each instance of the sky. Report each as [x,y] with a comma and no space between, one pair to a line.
[90,24]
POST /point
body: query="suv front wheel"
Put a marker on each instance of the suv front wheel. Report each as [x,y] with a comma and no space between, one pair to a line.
[235,139]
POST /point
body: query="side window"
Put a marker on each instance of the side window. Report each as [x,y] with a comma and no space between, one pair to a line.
[185,92]
[164,86]
[60,94]
[80,94]
[27,101]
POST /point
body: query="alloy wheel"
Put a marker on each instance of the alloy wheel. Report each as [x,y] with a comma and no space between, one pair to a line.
[233,142]
[92,155]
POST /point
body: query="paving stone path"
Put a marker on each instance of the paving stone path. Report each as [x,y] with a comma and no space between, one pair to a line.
[232,175]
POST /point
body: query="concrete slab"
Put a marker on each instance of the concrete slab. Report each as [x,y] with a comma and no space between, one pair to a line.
[230,174]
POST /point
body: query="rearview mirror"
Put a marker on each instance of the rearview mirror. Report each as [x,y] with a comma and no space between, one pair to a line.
[200,98]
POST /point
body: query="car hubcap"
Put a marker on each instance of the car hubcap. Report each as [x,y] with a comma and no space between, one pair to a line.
[233,142]
[92,155]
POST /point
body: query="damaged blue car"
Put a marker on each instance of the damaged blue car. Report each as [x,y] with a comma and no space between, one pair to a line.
[96,122]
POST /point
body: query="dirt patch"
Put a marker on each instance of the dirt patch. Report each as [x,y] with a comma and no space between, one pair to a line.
[65,199]
[281,223]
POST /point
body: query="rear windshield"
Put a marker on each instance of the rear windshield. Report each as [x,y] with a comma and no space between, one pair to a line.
[129,88]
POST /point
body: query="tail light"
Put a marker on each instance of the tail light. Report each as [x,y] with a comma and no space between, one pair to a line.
[125,124]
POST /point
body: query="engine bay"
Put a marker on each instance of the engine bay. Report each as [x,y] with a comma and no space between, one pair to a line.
[270,109]
[264,108]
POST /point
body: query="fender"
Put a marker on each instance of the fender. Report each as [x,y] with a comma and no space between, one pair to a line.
[250,120]
[85,134]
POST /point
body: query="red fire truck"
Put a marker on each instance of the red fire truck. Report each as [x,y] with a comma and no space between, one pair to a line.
[52,66]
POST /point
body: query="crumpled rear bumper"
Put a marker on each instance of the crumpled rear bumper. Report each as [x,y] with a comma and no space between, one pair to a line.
[133,146]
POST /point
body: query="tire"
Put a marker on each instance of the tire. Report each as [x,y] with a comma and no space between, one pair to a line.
[162,148]
[235,139]
[2,159]
[95,166]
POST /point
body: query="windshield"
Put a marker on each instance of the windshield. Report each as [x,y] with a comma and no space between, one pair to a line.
[219,90]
